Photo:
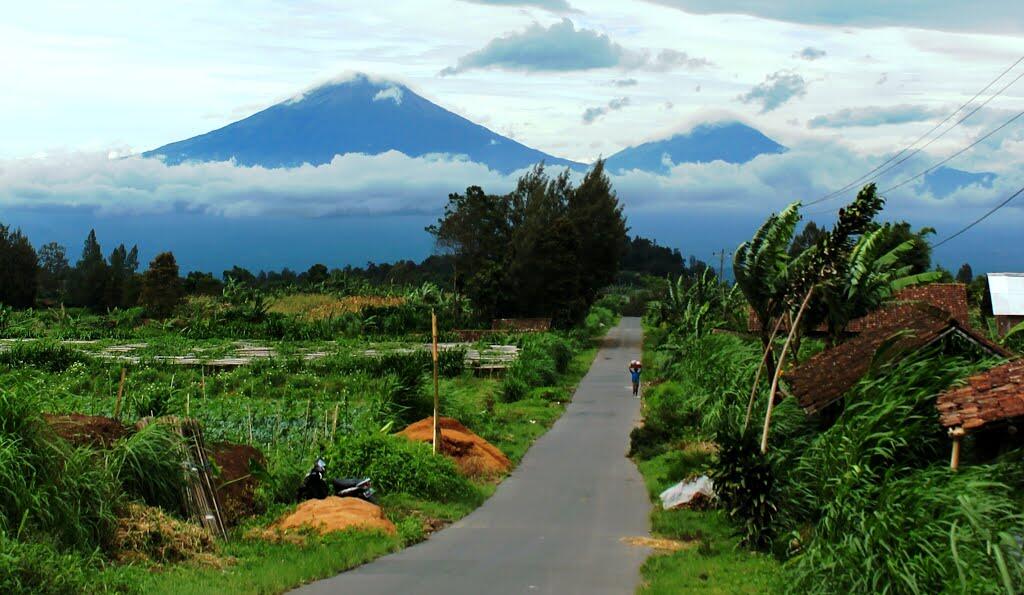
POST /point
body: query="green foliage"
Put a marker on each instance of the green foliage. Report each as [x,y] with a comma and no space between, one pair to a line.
[161,287]
[148,466]
[744,482]
[542,357]
[545,249]
[38,568]
[46,355]
[19,270]
[396,464]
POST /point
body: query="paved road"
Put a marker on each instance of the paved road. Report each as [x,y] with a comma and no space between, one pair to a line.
[555,524]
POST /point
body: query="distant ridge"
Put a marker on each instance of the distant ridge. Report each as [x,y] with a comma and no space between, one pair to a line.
[731,142]
[359,115]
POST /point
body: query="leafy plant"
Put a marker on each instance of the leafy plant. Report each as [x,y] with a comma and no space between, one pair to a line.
[744,483]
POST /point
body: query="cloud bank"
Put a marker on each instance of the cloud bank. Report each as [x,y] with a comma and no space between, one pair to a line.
[990,16]
[874,116]
[564,48]
[557,6]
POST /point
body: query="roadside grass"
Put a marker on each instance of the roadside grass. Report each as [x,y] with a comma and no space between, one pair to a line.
[716,563]
[263,567]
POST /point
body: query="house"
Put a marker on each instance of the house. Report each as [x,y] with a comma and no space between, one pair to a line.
[948,297]
[909,327]
[1007,293]
[990,400]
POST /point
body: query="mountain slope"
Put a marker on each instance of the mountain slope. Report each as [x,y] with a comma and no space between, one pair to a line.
[731,142]
[354,116]
[944,181]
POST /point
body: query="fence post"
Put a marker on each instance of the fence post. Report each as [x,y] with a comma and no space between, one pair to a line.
[436,435]
[120,392]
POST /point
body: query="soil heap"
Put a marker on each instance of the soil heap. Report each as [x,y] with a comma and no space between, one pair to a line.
[236,484]
[335,514]
[474,456]
[87,430]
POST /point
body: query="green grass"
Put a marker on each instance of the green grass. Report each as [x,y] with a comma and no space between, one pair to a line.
[716,563]
[262,567]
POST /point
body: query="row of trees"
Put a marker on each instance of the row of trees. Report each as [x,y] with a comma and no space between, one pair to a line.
[545,249]
[93,282]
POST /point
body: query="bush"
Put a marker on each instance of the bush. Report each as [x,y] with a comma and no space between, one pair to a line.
[744,484]
[398,465]
[513,387]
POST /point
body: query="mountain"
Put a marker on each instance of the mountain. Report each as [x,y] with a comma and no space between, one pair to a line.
[944,181]
[731,142]
[358,115]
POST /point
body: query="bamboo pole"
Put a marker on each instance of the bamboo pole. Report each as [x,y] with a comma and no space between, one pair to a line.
[794,325]
[757,376]
[120,393]
[436,436]
[954,458]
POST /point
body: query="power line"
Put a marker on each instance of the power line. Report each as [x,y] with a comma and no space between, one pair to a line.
[926,134]
[954,155]
[982,218]
[937,165]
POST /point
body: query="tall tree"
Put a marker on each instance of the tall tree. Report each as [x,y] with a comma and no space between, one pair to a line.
[89,279]
[965,275]
[54,271]
[161,287]
[19,269]
[596,215]
[477,229]
[807,237]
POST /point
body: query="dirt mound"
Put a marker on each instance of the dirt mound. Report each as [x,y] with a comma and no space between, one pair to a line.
[236,484]
[147,535]
[88,430]
[334,514]
[473,455]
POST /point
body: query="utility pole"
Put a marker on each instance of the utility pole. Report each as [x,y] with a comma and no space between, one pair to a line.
[436,433]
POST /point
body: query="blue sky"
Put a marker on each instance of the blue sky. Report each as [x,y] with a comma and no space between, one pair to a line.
[840,83]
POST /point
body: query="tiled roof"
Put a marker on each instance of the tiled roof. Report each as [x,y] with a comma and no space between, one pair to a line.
[995,395]
[948,297]
[824,378]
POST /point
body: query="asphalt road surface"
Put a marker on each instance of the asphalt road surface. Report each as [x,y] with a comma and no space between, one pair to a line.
[556,524]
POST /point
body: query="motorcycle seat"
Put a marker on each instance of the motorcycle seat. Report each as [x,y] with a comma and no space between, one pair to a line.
[347,483]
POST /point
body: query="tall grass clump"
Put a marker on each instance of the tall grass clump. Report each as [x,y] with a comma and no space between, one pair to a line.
[47,488]
[147,465]
[45,355]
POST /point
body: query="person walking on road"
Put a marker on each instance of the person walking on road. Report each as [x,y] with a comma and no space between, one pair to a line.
[635,368]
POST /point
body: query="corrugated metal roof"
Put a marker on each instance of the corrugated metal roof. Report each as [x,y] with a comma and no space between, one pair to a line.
[1007,291]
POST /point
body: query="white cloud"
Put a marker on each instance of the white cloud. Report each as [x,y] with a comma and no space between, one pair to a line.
[777,89]
[593,113]
[874,116]
[392,93]
[810,54]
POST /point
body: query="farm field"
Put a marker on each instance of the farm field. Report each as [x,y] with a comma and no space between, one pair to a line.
[283,402]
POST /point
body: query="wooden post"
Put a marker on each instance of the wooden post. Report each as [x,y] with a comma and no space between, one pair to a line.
[437,395]
[188,403]
[120,392]
[250,423]
[954,459]
[794,325]
[202,380]
[334,423]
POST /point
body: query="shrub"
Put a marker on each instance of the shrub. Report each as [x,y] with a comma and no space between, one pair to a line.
[398,465]
[744,484]
[513,386]
[39,568]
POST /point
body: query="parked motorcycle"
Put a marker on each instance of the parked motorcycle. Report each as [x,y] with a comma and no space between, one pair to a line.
[315,485]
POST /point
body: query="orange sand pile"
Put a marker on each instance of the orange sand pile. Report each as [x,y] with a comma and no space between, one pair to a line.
[335,514]
[473,455]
